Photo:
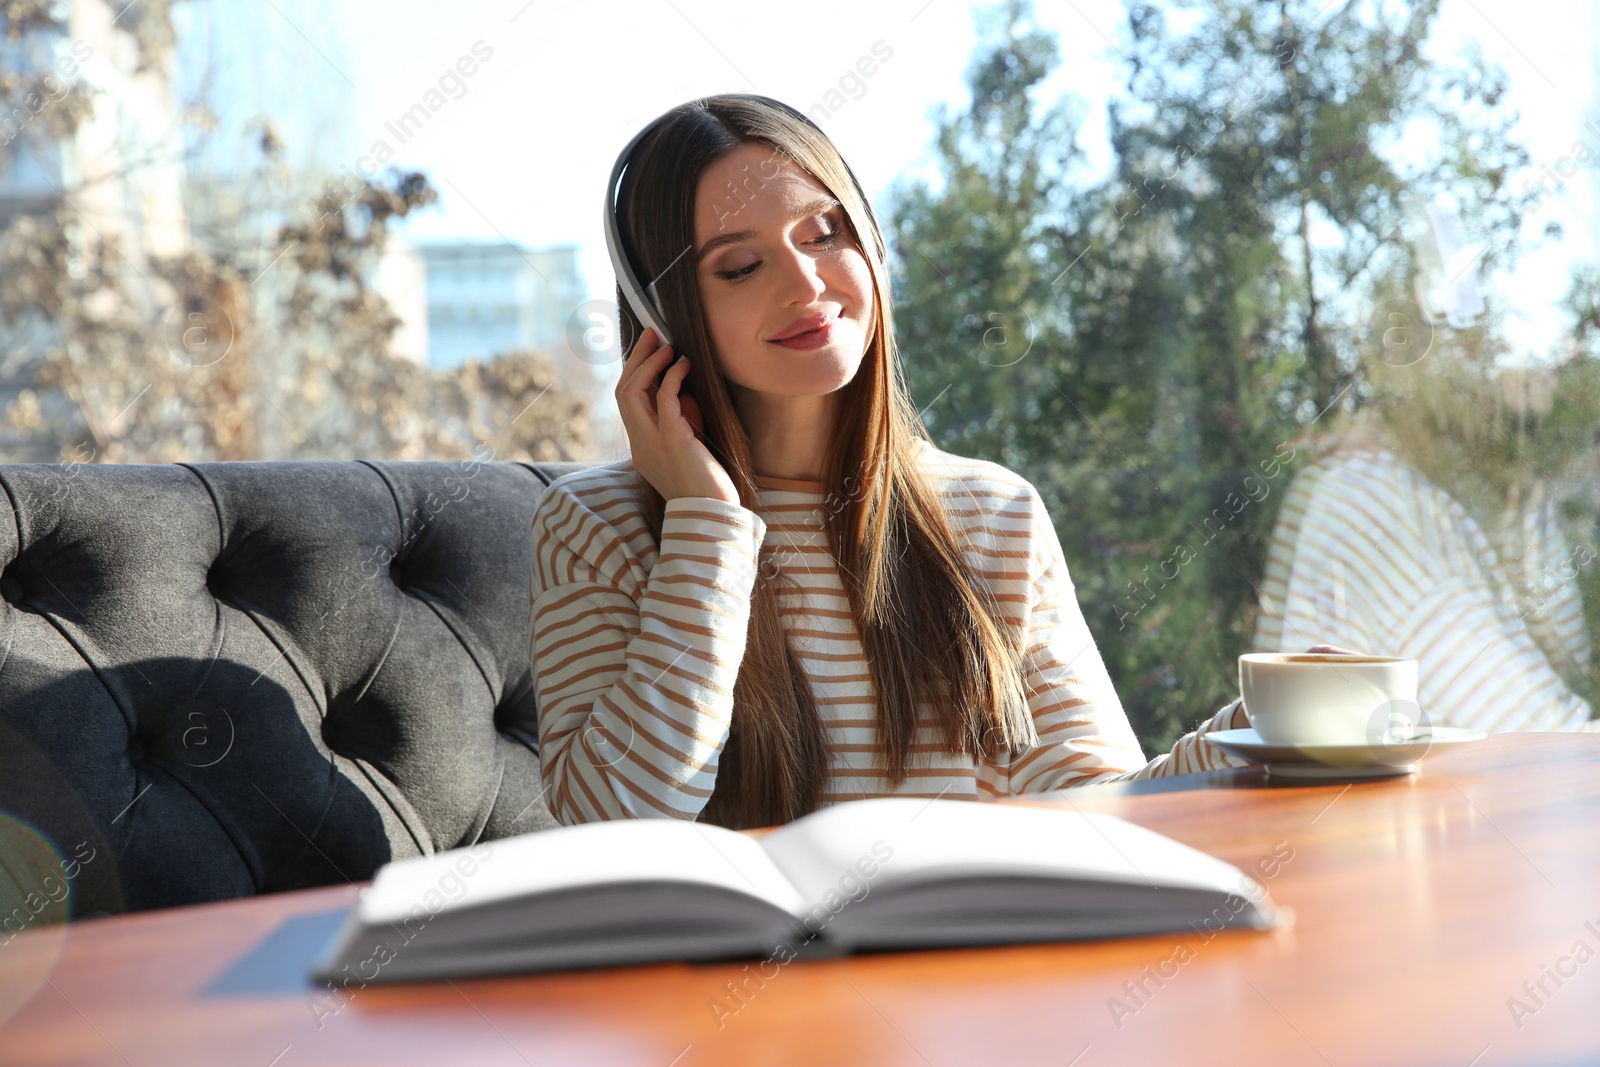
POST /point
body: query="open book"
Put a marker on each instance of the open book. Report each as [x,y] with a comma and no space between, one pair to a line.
[884,873]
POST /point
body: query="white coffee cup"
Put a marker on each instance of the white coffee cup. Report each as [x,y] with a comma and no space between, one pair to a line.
[1329,698]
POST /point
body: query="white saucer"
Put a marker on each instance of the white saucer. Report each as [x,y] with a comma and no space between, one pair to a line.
[1323,762]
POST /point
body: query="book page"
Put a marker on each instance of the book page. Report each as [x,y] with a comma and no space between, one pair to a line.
[848,850]
[593,854]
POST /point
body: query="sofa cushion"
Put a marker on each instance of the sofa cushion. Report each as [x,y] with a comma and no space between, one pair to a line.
[219,679]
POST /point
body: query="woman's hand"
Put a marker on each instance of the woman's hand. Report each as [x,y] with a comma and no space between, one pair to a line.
[661,435]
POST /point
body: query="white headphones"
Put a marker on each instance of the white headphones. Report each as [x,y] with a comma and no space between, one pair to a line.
[640,297]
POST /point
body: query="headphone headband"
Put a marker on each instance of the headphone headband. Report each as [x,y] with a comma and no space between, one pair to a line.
[641,298]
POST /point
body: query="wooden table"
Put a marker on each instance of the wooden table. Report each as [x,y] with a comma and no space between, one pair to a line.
[1422,906]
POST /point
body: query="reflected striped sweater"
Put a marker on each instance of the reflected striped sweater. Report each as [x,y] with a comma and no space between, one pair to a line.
[1369,554]
[637,646]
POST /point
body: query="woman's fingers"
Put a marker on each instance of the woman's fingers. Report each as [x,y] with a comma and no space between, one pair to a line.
[656,412]
[1333,650]
[653,400]
[630,362]
[642,370]
[640,391]
[643,349]
[667,402]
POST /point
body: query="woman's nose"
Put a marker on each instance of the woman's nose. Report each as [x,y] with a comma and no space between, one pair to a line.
[800,279]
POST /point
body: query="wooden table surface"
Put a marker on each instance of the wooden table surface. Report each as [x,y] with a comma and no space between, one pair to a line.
[1422,906]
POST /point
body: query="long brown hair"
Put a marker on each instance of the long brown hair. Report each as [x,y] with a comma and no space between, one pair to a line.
[932,633]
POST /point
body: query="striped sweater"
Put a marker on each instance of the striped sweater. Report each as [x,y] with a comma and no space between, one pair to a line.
[1369,554]
[637,646]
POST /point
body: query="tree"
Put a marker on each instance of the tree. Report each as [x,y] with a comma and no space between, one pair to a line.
[1191,316]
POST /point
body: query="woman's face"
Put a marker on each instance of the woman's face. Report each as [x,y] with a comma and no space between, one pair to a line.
[774,255]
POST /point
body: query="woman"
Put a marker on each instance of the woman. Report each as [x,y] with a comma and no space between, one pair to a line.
[789,597]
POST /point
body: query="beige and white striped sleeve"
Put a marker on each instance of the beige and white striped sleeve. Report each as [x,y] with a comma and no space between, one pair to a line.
[1192,753]
[634,671]
[1083,731]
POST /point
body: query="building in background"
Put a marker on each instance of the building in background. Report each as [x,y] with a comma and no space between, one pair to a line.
[122,167]
[488,297]
[280,71]
[115,174]
[402,280]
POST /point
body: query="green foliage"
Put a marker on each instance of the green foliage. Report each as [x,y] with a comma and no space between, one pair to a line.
[1149,350]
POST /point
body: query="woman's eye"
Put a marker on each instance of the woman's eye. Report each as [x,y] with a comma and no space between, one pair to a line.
[827,237]
[821,242]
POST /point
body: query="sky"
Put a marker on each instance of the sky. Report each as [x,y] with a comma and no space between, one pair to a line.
[523,146]
[526,152]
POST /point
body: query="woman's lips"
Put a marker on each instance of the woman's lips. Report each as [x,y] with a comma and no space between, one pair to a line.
[811,338]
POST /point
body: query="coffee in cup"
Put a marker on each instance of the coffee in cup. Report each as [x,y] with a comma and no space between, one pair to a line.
[1329,698]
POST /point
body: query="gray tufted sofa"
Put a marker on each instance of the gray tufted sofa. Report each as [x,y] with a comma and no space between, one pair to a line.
[221,679]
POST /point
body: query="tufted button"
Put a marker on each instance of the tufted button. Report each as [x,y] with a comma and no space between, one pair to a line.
[12,590]
[333,734]
[217,579]
[406,571]
[350,733]
[146,742]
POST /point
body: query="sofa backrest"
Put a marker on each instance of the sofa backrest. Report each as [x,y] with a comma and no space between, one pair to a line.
[220,679]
